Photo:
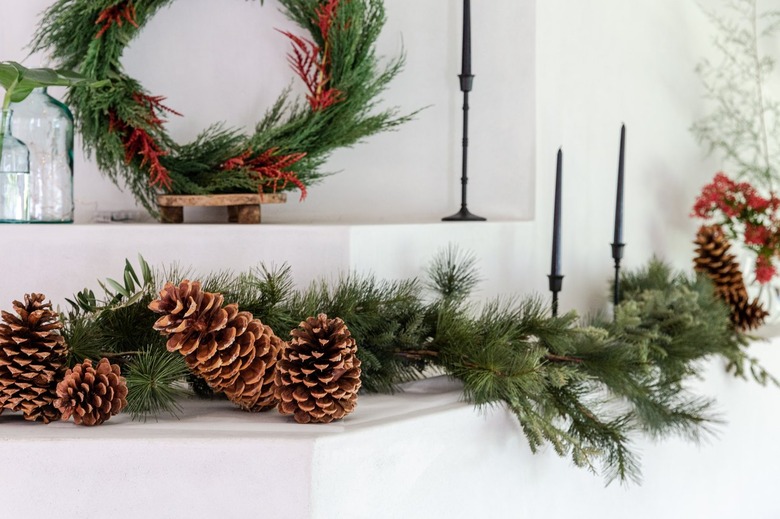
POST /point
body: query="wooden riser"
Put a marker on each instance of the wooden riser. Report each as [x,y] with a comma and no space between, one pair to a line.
[241,208]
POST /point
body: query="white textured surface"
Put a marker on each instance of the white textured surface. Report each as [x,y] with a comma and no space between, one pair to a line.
[60,260]
[395,456]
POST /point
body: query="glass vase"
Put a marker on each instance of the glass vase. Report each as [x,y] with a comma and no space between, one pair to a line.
[14,175]
[45,125]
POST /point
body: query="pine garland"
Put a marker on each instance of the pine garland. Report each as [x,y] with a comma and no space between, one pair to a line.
[124,125]
[586,390]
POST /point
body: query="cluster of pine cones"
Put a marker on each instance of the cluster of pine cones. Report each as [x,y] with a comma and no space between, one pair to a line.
[315,377]
[33,374]
[714,259]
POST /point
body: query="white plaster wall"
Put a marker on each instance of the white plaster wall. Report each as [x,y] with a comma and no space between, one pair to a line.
[601,63]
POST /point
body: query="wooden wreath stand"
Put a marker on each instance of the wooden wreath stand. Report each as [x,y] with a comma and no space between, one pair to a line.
[242,208]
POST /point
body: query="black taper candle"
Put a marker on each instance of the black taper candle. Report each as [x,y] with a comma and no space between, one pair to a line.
[617,242]
[466,61]
[555,265]
[466,83]
[555,277]
[618,238]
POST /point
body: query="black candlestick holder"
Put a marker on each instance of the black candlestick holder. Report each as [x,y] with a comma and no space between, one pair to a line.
[617,255]
[464,215]
[556,285]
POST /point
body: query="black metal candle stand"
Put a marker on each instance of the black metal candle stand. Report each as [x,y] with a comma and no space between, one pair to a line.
[556,285]
[617,255]
[464,215]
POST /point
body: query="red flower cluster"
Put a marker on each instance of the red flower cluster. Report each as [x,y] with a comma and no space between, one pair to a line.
[745,216]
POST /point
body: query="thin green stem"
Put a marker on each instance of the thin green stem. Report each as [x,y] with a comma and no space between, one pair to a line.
[760,94]
[2,131]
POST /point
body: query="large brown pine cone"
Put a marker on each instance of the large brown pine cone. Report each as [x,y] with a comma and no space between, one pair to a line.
[32,356]
[713,259]
[189,314]
[318,377]
[233,352]
[91,395]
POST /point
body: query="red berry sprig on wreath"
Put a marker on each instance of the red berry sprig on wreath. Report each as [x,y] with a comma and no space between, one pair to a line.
[124,125]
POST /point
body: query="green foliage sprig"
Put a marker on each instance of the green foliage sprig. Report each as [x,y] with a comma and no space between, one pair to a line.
[123,124]
[742,124]
[585,389]
[19,81]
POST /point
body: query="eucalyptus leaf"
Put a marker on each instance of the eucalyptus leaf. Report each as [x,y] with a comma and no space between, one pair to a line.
[131,271]
[9,74]
[119,288]
[146,271]
[18,80]
[129,284]
[20,92]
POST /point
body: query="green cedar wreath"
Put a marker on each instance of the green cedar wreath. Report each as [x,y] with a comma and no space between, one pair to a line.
[124,125]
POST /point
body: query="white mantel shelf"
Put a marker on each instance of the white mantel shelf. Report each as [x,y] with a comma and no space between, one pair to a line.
[396,456]
[420,454]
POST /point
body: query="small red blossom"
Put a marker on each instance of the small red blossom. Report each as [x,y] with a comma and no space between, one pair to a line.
[115,15]
[756,202]
[765,271]
[756,234]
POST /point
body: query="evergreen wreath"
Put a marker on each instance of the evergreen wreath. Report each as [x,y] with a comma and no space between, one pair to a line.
[124,125]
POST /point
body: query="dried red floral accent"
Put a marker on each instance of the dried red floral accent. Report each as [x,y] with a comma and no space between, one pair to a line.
[268,168]
[310,62]
[326,13]
[745,215]
[155,108]
[115,15]
[139,143]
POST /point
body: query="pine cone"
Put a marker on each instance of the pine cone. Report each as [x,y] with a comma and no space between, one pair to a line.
[189,315]
[714,260]
[91,395]
[231,350]
[318,377]
[32,356]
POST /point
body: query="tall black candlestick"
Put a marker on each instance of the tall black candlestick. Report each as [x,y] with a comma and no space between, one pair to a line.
[617,243]
[555,277]
[466,83]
